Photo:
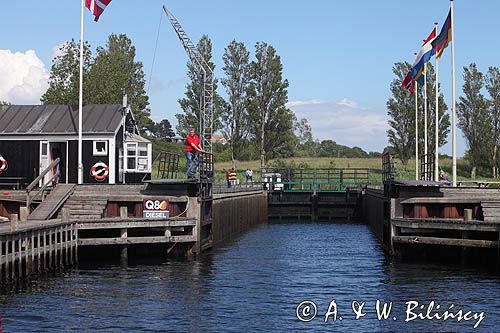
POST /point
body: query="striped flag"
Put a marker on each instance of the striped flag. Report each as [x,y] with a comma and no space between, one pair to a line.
[444,37]
[408,83]
[425,54]
[97,7]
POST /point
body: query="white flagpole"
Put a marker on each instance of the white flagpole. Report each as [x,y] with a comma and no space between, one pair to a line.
[454,111]
[80,102]
[416,129]
[436,126]
[426,168]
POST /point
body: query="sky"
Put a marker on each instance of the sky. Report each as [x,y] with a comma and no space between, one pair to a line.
[337,55]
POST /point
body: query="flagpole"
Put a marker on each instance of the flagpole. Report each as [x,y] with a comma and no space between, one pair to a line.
[426,168]
[80,102]
[454,111]
[436,126]
[416,128]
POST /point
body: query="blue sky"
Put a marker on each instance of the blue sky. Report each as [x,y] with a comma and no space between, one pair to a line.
[337,55]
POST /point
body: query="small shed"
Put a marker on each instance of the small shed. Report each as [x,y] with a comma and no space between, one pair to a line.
[32,136]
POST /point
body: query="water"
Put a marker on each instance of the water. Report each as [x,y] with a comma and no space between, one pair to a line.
[254,284]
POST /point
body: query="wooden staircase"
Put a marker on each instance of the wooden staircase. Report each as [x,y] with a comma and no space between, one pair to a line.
[491,210]
[86,205]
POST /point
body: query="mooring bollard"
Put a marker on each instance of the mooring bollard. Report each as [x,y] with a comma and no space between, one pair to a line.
[467,214]
[14,222]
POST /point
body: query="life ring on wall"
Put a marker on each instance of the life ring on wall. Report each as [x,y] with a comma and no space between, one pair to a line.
[3,164]
[99,171]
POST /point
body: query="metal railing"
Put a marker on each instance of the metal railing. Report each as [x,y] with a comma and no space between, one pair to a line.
[388,167]
[53,168]
[168,165]
[333,180]
[206,166]
[427,167]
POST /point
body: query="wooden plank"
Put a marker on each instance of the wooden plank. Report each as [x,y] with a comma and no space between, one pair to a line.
[135,240]
[451,225]
[445,241]
[141,224]
[52,202]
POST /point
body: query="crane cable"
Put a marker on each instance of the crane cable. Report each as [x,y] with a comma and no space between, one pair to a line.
[154,54]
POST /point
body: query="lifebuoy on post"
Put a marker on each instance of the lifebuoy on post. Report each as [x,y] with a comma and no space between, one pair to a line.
[99,171]
[3,164]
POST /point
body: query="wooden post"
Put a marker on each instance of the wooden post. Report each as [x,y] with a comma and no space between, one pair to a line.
[50,249]
[468,214]
[38,247]
[14,222]
[23,214]
[44,250]
[124,234]
[1,260]
[13,259]
[20,261]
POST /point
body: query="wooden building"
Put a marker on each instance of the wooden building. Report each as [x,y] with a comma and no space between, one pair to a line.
[112,149]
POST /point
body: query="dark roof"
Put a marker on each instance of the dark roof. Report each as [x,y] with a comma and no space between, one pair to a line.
[59,119]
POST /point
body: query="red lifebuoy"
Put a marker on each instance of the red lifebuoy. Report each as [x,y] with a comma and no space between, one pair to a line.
[99,171]
[3,164]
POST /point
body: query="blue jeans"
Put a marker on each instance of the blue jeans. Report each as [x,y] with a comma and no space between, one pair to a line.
[191,163]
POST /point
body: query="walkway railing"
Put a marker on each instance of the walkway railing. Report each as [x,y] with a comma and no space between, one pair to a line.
[53,168]
[315,180]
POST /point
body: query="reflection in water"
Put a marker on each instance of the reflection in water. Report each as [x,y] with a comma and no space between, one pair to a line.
[255,284]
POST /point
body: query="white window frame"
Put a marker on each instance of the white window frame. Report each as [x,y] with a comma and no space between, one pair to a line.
[137,157]
[100,153]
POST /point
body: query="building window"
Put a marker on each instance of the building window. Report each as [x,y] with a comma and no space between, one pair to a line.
[137,157]
[131,156]
[100,148]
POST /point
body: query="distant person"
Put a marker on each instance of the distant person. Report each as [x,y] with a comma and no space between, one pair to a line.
[233,176]
[249,175]
[192,150]
[228,174]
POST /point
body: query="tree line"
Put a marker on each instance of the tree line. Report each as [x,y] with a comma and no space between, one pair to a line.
[253,116]
[477,116]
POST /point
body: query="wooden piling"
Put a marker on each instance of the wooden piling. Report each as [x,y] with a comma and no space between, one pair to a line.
[124,234]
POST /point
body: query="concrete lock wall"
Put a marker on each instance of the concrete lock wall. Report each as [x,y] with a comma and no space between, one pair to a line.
[374,211]
[237,213]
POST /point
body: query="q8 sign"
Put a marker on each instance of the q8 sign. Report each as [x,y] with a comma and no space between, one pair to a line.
[155,209]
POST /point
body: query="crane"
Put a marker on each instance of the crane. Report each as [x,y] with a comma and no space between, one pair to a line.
[206,73]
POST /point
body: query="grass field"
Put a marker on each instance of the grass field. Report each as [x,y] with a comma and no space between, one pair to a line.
[329,163]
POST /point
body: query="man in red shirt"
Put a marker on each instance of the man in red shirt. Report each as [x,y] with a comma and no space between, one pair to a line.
[192,148]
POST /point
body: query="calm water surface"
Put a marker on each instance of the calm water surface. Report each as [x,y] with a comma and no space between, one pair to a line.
[255,284]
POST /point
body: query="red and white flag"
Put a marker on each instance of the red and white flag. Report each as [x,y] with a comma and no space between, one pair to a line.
[97,7]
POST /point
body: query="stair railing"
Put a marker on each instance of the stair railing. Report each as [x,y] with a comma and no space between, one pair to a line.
[53,180]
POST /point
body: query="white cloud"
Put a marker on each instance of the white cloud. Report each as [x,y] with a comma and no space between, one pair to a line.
[300,103]
[346,123]
[23,77]
[347,102]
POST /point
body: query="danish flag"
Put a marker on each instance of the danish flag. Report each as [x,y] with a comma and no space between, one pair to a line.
[97,7]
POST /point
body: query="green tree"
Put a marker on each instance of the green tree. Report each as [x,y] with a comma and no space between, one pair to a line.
[64,81]
[303,131]
[162,130]
[115,72]
[271,121]
[236,68]
[4,103]
[473,117]
[493,87]
[191,103]
[401,111]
